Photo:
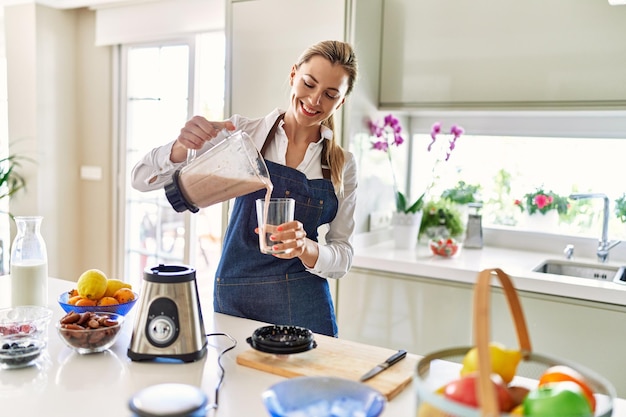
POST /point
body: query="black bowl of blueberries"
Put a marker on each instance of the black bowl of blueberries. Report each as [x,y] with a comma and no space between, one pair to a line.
[23,335]
[20,351]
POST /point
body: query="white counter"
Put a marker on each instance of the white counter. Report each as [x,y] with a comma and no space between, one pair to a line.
[465,266]
[69,384]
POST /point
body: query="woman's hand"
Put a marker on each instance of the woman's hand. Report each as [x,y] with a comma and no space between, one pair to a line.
[196,131]
[291,238]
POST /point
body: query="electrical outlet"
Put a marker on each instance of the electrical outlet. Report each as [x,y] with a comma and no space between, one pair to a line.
[380,220]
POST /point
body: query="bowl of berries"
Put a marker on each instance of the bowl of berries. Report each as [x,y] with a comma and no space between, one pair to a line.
[25,320]
[445,247]
[20,351]
[23,335]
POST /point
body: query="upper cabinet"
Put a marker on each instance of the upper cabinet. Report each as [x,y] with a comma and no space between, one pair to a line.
[494,54]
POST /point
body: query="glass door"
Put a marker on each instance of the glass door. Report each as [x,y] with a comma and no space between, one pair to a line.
[162,85]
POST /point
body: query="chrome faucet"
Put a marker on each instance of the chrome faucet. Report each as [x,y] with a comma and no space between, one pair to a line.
[604,245]
[568,251]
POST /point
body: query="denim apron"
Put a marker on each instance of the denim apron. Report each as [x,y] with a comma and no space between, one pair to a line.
[262,287]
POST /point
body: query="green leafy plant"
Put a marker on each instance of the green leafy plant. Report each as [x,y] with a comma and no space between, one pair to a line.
[389,133]
[462,193]
[441,219]
[543,201]
[620,208]
[10,180]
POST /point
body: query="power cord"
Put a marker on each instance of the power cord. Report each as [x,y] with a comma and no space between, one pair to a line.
[219,363]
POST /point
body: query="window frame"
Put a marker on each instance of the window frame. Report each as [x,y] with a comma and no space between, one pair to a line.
[567,125]
[119,105]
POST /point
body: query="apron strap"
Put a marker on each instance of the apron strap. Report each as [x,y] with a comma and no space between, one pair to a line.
[270,138]
[325,165]
[271,134]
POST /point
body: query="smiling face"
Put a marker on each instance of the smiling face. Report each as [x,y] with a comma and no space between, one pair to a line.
[318,88]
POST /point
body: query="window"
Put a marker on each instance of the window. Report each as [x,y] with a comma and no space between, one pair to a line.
[163,85]
[562,152]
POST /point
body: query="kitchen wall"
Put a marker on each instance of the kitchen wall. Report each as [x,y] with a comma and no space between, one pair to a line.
[60,95]
[61,102]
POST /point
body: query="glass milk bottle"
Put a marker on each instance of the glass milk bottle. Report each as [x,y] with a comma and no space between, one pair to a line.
[29,264]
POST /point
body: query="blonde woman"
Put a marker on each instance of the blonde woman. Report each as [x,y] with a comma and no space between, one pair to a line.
[306,163]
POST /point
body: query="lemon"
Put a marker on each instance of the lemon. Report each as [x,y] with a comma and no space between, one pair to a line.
[114,285]
[92,284]
[503,361]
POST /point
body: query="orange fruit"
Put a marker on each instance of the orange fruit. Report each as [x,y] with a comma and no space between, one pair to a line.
[74,299]
[107,301]
[85,302]
[124,295]
[72,293]
[560,373]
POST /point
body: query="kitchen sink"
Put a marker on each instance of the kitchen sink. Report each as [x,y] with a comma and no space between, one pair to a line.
[583,270]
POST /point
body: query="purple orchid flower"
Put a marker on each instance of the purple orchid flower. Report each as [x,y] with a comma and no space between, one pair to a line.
[392,121]
[434,131]
[456,131]
[381,145]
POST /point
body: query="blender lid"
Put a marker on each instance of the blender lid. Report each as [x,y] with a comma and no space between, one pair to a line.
[169,400]
[282,340]
[169,273]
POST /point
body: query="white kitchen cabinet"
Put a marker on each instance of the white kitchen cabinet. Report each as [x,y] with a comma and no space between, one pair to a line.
[496,54]
[266,39]
[424,315]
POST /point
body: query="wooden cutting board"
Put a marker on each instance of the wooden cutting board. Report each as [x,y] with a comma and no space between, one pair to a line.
[338,358]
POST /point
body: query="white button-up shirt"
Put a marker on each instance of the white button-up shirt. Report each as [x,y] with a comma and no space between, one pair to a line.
[335,247]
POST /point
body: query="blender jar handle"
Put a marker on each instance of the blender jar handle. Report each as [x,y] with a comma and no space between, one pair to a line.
[191,153]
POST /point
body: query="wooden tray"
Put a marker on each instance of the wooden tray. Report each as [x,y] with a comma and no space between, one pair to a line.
[339,358]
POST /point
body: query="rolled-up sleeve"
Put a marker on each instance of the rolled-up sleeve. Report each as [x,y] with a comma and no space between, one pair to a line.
[335,256]
[154,170]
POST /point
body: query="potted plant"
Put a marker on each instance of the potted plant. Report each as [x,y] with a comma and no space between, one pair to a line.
[10,183]
[462,193]
[10,180]
[620,208]
[441,219]
[542,208]
[408,215]
[543,202]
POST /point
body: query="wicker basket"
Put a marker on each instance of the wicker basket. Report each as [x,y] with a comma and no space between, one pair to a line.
[439,368]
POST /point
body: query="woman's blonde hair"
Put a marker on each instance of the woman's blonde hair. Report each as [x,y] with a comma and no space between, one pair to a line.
[341,53]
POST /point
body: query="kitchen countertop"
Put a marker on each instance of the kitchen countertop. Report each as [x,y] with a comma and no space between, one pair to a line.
[68,384]
[465,266]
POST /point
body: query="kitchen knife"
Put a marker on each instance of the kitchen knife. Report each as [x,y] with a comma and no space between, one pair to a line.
[396,357]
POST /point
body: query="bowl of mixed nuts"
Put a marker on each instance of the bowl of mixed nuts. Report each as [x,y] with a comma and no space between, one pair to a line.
[90,332]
